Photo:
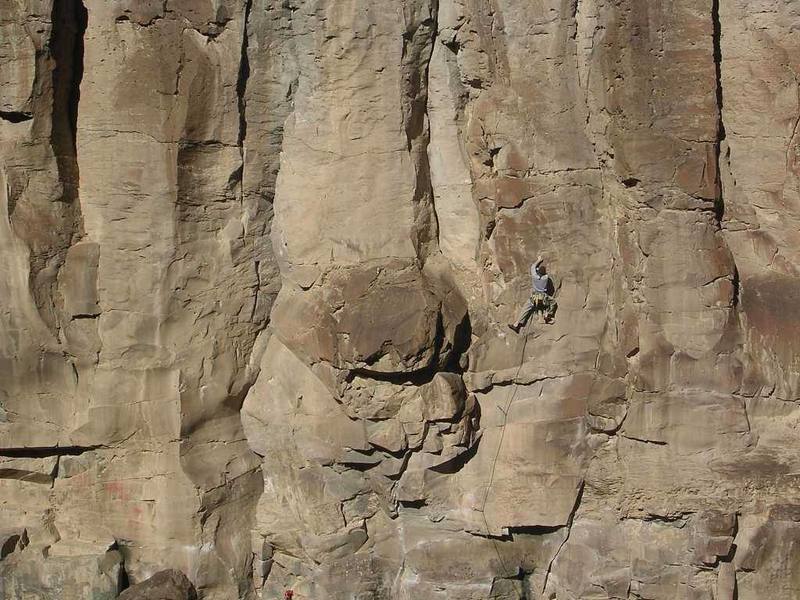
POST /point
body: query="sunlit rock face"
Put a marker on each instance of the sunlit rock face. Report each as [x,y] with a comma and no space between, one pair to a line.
[258,262]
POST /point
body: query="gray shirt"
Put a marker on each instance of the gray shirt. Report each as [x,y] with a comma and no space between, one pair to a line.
[539,283]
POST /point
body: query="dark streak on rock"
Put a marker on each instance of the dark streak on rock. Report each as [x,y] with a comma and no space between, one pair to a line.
[717,50]
[45,451]
[70,20]
[244,75]
[15,116]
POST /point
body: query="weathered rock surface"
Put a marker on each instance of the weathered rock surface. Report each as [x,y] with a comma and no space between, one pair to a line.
[258,261]
[164,585]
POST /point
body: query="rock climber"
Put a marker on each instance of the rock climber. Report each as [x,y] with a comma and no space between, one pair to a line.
[541,297]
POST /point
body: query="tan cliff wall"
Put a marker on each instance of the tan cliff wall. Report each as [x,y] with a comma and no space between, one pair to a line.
[258,261]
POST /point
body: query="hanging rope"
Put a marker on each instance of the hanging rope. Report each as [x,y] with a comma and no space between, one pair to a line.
[512,394]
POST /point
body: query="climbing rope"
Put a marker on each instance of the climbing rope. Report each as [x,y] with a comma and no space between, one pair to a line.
[512,394]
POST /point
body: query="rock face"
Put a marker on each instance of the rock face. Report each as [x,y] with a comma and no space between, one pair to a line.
[164,585]
[258,261]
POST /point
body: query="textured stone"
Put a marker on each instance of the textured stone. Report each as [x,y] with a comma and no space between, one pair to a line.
[258,258]
[164,585]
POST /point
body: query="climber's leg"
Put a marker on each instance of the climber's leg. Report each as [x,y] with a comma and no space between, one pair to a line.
[550,307]
[526,313]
